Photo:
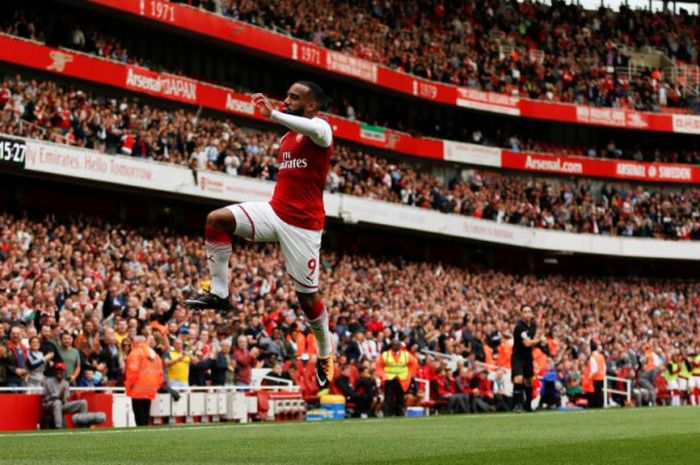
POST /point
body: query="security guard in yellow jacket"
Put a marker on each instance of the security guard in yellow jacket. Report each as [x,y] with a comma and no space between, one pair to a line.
[396,368]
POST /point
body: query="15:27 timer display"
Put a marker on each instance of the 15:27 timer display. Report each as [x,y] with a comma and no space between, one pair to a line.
[12,152]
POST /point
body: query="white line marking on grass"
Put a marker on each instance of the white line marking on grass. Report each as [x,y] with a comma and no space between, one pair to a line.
[176,427]
[200,426]
[154,429]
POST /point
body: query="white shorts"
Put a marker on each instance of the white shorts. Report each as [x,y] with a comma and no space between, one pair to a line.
[258,222]
[694,382]
[683,384]
[672,385]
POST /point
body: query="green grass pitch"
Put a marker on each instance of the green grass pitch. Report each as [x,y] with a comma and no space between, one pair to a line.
[661,436]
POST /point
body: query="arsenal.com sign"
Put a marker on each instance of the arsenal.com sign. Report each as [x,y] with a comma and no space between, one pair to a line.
[600,168]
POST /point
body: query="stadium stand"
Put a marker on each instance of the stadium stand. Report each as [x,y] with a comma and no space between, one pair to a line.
[45,110]
[105,277]
[104,282]
[76,32]
[559,52]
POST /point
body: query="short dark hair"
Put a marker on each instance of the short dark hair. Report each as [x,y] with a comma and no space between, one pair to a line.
[316,92]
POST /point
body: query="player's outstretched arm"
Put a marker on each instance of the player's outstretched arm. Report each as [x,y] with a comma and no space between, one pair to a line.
[318,130]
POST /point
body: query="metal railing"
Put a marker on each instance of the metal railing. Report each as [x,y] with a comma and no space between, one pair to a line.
[633,70]
[285,382]
[646,58]
[627,392]
[688,76]
[426,389]
[454,359]
[287,386]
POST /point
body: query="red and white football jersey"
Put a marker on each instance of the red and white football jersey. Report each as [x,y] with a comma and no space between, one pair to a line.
[303,169]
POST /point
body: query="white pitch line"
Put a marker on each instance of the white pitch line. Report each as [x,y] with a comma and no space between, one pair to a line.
[200,426]
[158,429]
[173,428]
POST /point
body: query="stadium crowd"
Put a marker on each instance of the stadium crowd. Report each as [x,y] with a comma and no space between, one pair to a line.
[558,52]
[29,22]
[78,290]
[76,32]
[48,111]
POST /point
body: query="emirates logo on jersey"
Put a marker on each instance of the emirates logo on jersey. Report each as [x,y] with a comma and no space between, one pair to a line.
[289,162]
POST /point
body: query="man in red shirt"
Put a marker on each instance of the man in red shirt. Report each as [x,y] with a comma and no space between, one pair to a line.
[457,402]
[5,95]
[246,360]
[294,217]
[482,392]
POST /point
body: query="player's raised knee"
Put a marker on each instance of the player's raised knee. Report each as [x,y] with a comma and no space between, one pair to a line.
[222,219]
[307,301]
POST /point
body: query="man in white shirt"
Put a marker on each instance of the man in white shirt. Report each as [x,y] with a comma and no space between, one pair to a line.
[368,347]
[199,157]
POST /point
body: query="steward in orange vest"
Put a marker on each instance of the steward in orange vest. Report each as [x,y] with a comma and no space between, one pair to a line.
[594,377]
[144,376]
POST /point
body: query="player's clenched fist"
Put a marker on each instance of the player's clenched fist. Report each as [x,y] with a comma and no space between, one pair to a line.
[263,104]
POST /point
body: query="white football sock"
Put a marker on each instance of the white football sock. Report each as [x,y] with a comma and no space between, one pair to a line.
[218,255]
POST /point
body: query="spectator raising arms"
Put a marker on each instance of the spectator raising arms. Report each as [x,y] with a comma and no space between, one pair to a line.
[583,206]
[121,284]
